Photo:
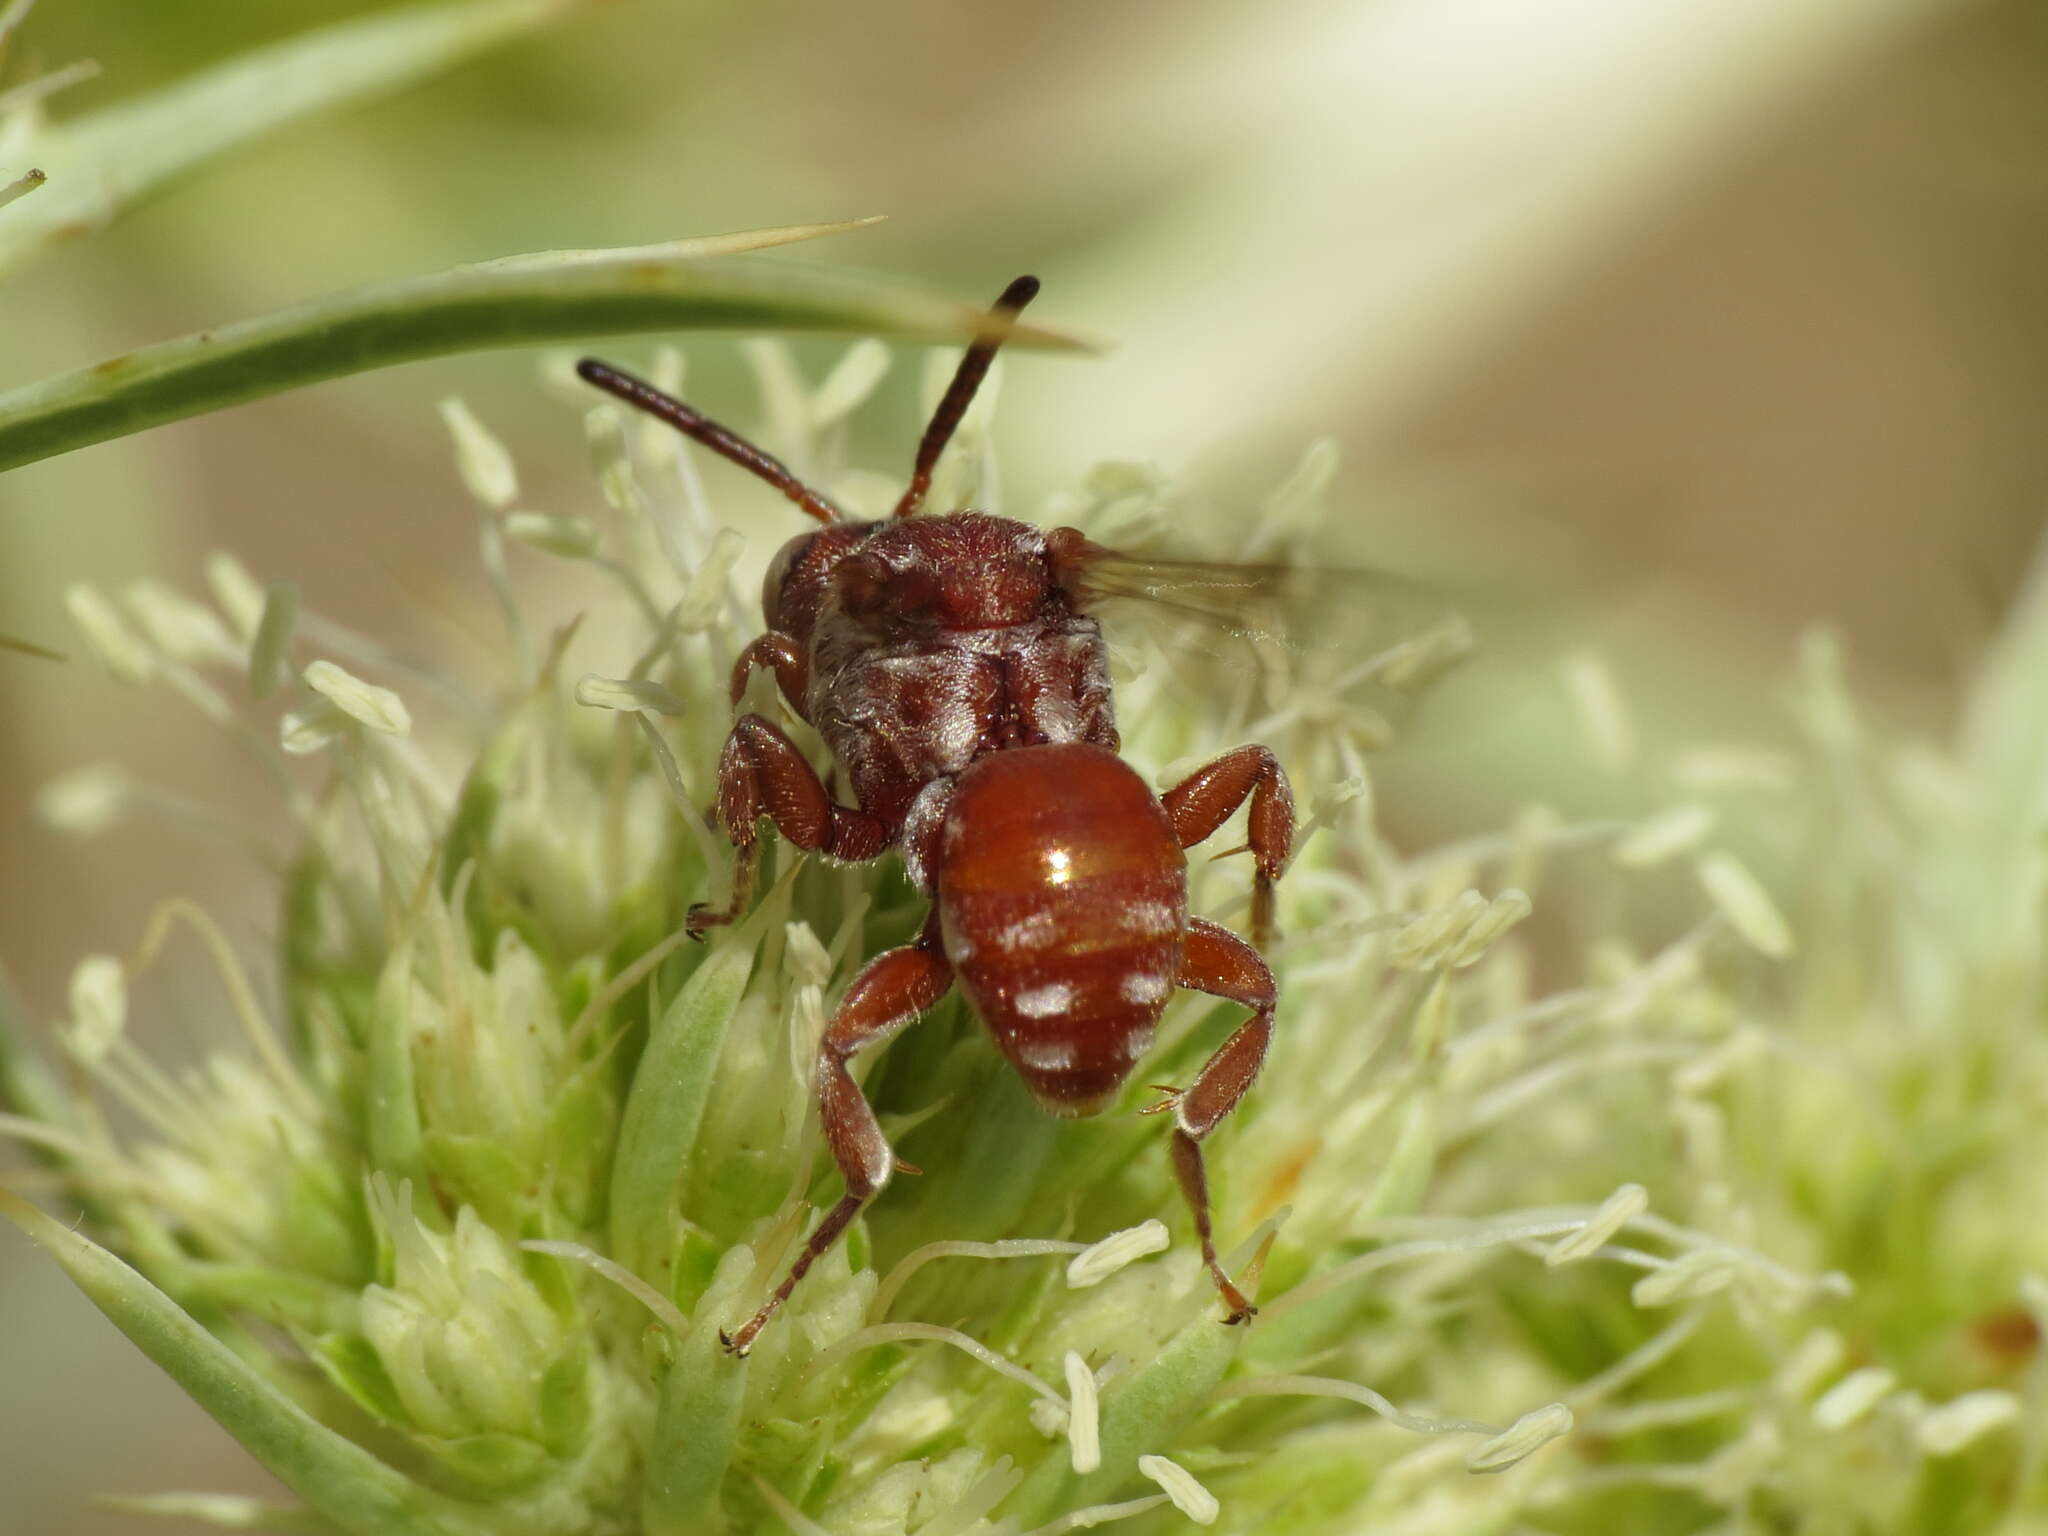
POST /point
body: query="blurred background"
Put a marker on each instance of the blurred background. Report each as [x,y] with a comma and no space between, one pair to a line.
[1729,318]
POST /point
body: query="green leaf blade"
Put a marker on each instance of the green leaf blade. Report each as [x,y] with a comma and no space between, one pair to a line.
[663,1110]
[518,301]
[336,1478]
[697,1426]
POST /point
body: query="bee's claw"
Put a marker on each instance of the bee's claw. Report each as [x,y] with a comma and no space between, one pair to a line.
[703,916]
[1169,1096]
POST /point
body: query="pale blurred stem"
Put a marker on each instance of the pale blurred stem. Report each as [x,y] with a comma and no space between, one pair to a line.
[75,73]
[21,186]
[15,13]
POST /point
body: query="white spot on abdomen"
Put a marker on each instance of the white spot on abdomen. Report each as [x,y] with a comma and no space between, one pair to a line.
[1145,987]
[1151,919]
[1042,1002]
[1045,1055]
[1026,933]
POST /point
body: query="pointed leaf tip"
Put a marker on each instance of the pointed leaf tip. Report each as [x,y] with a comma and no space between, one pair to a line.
[335,1477]
[550,296]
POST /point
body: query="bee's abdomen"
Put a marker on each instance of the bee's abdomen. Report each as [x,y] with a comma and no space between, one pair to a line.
[1063,903]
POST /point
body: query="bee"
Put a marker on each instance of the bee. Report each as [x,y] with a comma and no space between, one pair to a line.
[955,668]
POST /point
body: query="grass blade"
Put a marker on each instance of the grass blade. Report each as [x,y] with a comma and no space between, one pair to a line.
[516,301]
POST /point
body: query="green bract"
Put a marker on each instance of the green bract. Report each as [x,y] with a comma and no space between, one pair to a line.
[1724,1226]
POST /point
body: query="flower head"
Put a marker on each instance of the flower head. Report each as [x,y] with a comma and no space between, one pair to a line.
[448,1232]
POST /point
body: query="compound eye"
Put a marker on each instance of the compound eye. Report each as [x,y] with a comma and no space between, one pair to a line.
[787,559]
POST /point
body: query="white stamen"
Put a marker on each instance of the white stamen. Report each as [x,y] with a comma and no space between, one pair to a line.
[606,440]
[1093,1515]
[633,695]
[852,379]
[573,538]
[792,1517]
[1667,1412]
[485,466]
[99,1006]
[1096,1263]
[378,708]
[1601,715]
[1951,1427]
[2034,1294]
[966,1511]
[1815,1358]
[178,626]
[1084,1416]
[703,599]
[109,639]
[1528,1434]
[303,732]
[917,1258]
[878,1334]
[21,186]
[1501,914]
[239,594]
[1351,1391]
[1664,836]
[1616,1211]
[1426,942]
[86,800]
[804,957]
[37,88]
[1189,1496]
[1414,663]
[663,1309]
[1699,1273]
[1042,1002]
[1722,770]
[226,1511]
[1853,1396]
[270,651]
[1741,898]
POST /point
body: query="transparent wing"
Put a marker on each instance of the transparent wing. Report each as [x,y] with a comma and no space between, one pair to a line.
[1352,649]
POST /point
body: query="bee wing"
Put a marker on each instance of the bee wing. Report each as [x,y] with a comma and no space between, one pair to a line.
[1366,638]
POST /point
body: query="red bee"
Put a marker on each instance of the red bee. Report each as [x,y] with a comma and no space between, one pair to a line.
[953,668]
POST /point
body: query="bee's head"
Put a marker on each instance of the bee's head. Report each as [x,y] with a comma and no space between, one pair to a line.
[801,572]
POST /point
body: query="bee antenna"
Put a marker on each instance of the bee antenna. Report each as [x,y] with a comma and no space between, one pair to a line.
[642,395]
[995,330]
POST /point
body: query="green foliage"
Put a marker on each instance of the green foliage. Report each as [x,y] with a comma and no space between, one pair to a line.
[94,165]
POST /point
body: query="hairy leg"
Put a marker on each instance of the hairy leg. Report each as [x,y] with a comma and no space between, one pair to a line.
[1204,800]
[894,988]
[761,773]
[1218,962]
